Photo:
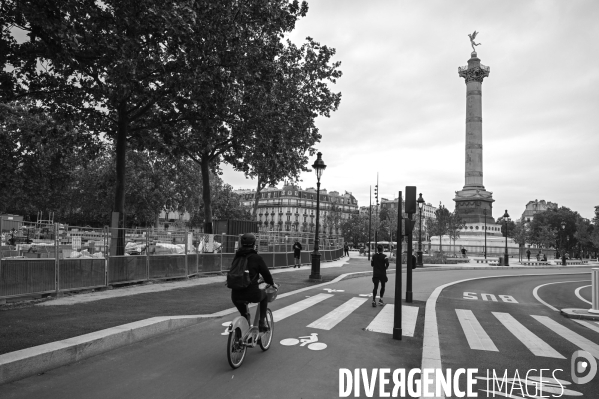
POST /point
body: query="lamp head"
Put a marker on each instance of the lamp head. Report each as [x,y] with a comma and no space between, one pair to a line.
[563,225]
[420,201]
[506,215]
[319,166]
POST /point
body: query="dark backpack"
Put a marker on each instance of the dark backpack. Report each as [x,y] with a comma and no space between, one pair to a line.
[239,276]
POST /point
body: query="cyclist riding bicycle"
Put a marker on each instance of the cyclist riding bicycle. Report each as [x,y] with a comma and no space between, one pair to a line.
[252,293]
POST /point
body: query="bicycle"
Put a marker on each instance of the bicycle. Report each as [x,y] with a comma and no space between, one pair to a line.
[243,336]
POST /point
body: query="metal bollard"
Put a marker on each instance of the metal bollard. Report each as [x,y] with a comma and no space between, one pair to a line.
[595,292]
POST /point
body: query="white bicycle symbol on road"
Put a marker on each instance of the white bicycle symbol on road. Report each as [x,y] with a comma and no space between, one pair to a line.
[311,341]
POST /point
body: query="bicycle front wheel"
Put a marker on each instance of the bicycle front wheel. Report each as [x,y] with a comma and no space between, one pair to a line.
[266,338]
[235,349]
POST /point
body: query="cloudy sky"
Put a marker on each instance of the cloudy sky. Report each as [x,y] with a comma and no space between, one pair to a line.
[402,111]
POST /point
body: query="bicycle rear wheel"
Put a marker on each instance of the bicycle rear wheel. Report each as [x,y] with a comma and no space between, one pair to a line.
[266,338]
[235,349]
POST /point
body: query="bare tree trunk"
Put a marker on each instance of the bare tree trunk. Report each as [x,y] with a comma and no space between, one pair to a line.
[205,168]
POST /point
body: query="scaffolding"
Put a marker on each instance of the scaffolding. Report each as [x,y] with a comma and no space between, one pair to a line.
[41,222]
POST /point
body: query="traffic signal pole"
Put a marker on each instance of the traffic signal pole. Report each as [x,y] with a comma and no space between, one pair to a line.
[410,210]
[397,331]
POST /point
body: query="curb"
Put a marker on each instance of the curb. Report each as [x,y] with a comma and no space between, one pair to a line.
[38,359]
[431,350]
[579,314]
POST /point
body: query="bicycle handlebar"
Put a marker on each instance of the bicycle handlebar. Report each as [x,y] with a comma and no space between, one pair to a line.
[261,280]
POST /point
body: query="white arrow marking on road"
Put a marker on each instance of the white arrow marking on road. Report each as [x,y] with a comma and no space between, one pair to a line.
[476,336]
[297,307]
[329,290]
[334,317]
[569,335]
[535,344]
[383,322]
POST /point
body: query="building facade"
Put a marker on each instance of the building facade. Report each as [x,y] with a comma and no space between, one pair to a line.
[534,207]
[292,208]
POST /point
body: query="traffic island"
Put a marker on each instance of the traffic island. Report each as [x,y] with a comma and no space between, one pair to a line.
[580,314]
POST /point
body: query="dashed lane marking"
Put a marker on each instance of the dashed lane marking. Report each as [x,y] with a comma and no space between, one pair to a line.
[535,344]
[297,307]
[337,315]
[588,324]
[383,322]
[476,336]
[569,335]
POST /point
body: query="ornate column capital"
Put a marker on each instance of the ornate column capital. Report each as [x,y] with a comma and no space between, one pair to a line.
[476,74]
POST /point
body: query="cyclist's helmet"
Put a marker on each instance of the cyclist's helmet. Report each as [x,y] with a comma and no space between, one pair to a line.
[248,240]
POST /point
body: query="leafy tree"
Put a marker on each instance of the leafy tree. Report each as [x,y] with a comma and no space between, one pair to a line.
[333,218]
[355,229]
[388,224]
[37,156]
[454,225]
[439,226]
[520,233]
[511,226]
[584,231]
[553,217]
[109,64]
[595,240]
[257,98]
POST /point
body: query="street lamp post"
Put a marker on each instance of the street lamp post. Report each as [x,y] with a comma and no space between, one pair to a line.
[563,251]
[420,202]
[506,260]
[485,213]
[369,223]
[319,167]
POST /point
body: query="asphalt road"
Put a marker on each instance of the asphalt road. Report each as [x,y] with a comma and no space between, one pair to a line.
[191,363]
[498,325]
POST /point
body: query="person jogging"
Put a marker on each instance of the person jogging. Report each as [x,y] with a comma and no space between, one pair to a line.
[380,264]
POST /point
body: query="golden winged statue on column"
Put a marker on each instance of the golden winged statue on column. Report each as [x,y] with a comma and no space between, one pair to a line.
[472,36]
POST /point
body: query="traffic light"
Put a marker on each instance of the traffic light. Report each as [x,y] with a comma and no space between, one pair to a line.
[376,193]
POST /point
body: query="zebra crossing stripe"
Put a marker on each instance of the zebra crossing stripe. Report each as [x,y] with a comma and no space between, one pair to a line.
[569,335]
[383,322]
[535,344]
[334,317]
[477,338]
[588,324]
[297,307]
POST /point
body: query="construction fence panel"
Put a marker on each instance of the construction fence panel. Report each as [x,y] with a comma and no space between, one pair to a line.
[166,266]
[27,276]
[122,269]
[269,259]
[82,273]
[209,263]
[280,259]
[305,257]
[227,260]
[192,263]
